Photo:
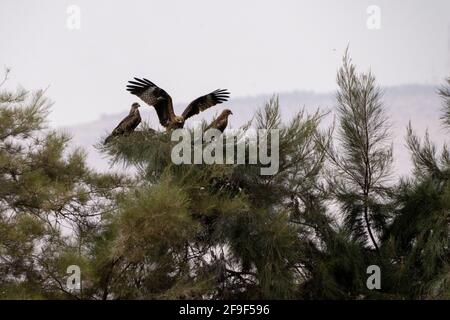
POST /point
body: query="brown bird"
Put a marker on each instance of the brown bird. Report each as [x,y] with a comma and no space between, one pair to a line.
[128,124]
[221,122]
[154,96]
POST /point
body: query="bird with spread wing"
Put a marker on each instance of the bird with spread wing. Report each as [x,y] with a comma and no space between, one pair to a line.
[128,124]
[154,96]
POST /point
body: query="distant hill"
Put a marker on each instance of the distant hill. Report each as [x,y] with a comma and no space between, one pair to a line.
[416,103]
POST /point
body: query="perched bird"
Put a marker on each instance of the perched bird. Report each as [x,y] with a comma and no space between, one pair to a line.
[128,124]
[154,96]
[221,122]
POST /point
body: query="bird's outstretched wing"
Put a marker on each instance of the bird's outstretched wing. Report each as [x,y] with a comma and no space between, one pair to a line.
[204,102]
[154,96]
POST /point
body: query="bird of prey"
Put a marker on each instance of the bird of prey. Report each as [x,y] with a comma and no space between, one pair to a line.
[154,96]
[128,124]
[221,122]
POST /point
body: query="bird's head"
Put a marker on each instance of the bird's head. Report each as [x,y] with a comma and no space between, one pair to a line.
[227,112]
[134,108]
[179,119]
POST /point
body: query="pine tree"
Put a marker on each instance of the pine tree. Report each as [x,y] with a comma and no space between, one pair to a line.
[363,156]
[444,92]
[418,238]
[46,193]
[225,231]
[218,231]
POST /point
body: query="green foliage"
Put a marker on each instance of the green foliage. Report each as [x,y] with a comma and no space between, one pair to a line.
[419,233]
[223,228]
[363,159]
[224,231]
[444,92]
[46,193]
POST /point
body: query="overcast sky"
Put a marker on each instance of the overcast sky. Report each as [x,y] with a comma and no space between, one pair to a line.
[192,47]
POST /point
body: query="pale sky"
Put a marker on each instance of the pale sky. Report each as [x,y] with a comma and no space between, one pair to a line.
[190,48]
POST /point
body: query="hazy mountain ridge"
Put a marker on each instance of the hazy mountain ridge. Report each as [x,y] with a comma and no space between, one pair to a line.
[419,104]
